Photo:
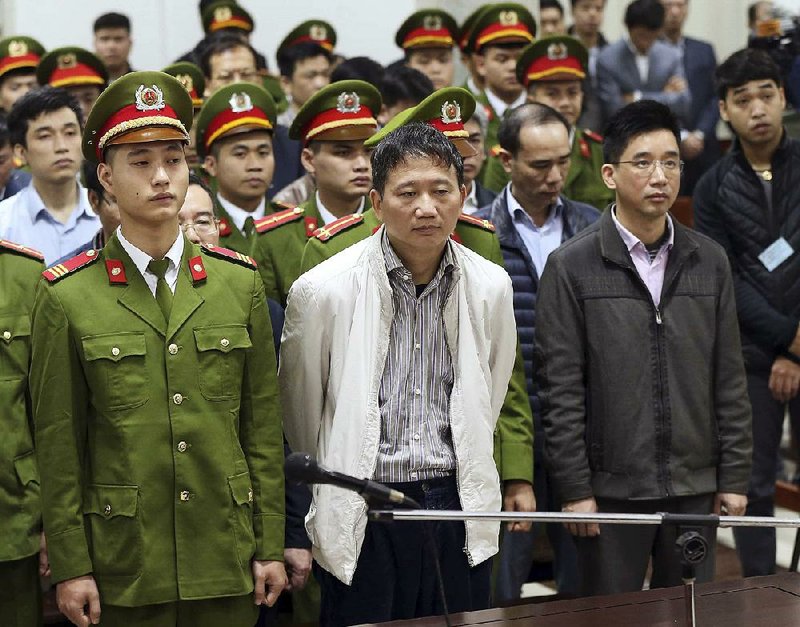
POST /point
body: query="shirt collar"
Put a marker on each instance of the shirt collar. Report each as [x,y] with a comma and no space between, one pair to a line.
[393,262]
[500,105]
[471,201]
[327,216]
[141,259]
[239,215]
[630,240]
[36,204]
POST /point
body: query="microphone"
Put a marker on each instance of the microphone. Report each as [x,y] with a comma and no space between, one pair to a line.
[303,468]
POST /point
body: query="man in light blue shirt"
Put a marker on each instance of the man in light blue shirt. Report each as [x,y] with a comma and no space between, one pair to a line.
[52,214]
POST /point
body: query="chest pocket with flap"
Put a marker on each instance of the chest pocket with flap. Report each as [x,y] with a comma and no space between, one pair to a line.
[221,354]
[116,369]
[15,345]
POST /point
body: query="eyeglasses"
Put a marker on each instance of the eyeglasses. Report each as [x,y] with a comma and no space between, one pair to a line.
[202,227]
[646,167]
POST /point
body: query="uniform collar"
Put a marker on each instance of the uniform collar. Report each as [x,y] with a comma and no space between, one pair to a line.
[239,215]
[327,216]
[141,259]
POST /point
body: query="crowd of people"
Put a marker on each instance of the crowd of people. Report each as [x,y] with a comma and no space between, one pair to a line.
[475,295]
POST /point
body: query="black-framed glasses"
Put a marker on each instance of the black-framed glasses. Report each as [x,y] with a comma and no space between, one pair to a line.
[646,167]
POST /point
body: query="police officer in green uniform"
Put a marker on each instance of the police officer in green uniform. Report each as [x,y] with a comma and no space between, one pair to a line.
[19,56]
[447,110]
[553,70]
[332,125]
[20,509]
[427,38]
[498,35]
[77,70]
[234,140]
[155,397]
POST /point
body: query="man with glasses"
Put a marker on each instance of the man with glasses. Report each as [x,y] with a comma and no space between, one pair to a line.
[639,367]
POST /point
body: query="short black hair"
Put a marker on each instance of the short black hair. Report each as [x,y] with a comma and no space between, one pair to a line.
[409,141]
[743,66]
[359,68]
[552,4]
[290,56]
[36,102]
[529,114]
[637,118]
[402,83]
[195,179]
[112,20]
[646,13]
[574,2]
[89,178]
[218,43]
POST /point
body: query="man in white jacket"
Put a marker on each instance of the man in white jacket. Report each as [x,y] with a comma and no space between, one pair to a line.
[395,359]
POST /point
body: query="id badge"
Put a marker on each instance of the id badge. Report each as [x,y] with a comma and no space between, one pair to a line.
[775,254]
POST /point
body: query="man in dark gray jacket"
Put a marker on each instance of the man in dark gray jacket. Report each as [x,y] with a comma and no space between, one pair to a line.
[638,361]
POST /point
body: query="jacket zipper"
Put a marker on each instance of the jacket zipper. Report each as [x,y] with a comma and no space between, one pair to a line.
[661,453]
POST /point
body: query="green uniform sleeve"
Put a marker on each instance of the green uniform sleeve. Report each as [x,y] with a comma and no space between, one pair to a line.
[261,432]
[513,441]
[313,255]
[59,396]
[266,268]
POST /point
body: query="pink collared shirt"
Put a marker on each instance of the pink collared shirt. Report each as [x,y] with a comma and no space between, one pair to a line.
[651,273]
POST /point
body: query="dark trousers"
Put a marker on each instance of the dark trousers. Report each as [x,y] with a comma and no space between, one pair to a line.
[20,593]
[756,545]
[516,550]
[395,577]
[616,560]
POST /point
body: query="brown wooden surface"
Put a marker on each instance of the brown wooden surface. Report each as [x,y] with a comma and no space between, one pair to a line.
[787,495]
[682,211]
[755,602]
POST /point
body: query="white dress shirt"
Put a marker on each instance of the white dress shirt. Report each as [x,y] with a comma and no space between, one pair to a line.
[327,216]
[500,106]
[141,259]
[239,215]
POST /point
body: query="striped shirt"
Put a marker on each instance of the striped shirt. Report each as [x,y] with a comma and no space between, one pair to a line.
[414,396]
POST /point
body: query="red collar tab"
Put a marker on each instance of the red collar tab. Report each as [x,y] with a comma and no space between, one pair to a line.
[197,269]
[455,237]
[224,228]
[311,225]
[584,148]
[116,272]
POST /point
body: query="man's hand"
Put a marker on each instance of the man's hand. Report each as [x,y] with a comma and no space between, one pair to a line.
[74,595]
[675,84]
[729,504]
[269,578]
[44,562]
[692,146]
[298,567]
[784,379]
[518,497]
[585,506]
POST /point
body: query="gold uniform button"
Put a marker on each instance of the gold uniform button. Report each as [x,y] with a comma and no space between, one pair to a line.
[173,349]
[224,342]
[91,252]
[115,351]
[107,510]
[185,495]
[6,335]
[181,446]
[177,399]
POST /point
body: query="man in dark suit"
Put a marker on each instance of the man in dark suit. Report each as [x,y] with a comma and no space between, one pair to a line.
[699,145]
[639,67]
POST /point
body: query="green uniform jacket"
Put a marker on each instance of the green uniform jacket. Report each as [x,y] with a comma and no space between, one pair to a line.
[513,438]
[584,181]
[160,445]
[229,235]
[492,175]
[20,510]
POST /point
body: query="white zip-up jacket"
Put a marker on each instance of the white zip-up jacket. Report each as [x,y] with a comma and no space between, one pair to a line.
[333,351]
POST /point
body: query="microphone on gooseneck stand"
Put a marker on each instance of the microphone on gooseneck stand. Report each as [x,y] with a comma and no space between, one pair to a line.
[303,468]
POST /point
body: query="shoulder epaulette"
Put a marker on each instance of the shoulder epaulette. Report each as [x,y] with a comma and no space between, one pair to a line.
[593,136]
[324,233]
[60,270]
[230,255]
[274,220]
[495,150]
[277,205]
[484,224]
[21,250]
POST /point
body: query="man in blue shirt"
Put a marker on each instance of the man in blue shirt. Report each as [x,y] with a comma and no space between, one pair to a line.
[52,214]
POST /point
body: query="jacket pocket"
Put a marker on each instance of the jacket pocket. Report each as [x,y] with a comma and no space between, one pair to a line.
[242,517]
[112,515]
[221,352]
[15,345]
[116,369]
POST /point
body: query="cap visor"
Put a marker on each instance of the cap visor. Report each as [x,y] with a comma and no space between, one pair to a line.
[463,146]
[149,134]
[346,133]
